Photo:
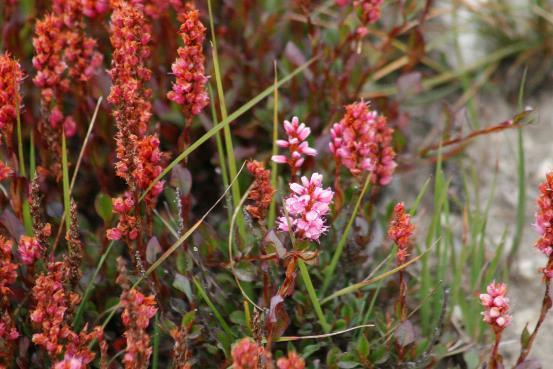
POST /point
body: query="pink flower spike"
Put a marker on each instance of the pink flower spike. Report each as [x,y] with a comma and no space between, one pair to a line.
[297,146]
[189,89]
[307,207]
[496,306]
[362,142]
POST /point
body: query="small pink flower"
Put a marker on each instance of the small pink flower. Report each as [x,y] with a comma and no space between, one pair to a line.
[5,171]
[70,362]
[370,10]
[496,306]
[342,2]
[69,127]
[29,249]
[113,234]
[296,145]
[122,205]
[56,117]
[292,361]
[307,207]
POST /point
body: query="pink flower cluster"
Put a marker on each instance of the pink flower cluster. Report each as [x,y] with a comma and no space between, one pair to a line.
[370,10]
[544,216]
[52,303]
[49,44]
[400,230]
[297,146]
[544,222]
[57,119]
[138,310]
[10,82]
[148,166]
[30,250]
[139,158]
[126,227]
[94,8]
[246,354]
[8,331]
[351,138]
[189,89]
[307,207]
[362,141]
[496,306]
[64,54]
[292,361]
[8,269]
[77,353]
[82,56]
[130,36]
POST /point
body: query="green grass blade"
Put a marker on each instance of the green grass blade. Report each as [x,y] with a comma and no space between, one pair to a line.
[413,210]
[357,286]
[521,172]
[220,152]
[313,296]
[329,273]
[232,117]
[32,156]
[226,129]
[80,309]
[274,167]
[216,312]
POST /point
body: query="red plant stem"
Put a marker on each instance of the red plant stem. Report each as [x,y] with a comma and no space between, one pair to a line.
[545,307]
[402,308]
[493,355]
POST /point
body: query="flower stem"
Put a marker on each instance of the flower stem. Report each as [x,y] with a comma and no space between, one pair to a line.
[546,305]
[493,356]
[313,296]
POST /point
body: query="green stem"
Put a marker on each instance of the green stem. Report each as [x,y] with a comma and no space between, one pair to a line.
[274,168]
[80,310]
[155,356]
[313,296]
[226,129]
[340,248]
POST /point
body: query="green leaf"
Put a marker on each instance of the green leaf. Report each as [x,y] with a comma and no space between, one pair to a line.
[182,284]
[348,364]
[103,207]
[238,317]
[524,337]
[363,346]
[188,318]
